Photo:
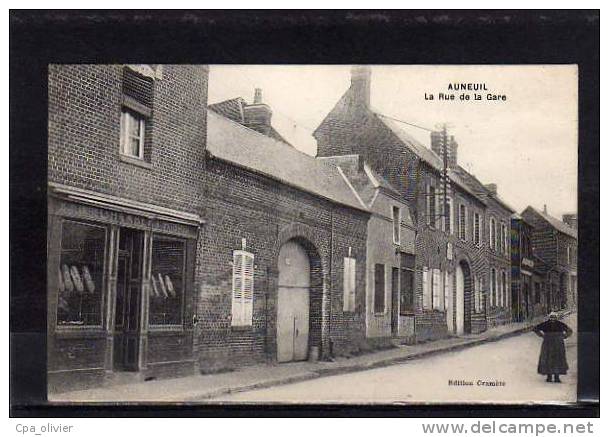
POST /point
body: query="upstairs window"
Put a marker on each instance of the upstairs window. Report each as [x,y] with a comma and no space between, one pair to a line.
[448,210]
[477,229]
[396,217]
[463,222]
[492,234]
[431,206]
[135,115]
[133,128]
[243,288]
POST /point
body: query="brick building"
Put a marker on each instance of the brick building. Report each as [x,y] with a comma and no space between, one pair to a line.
[126,149]
[390,257]
[285,249]
[451,268]
[555,243]
[530,296]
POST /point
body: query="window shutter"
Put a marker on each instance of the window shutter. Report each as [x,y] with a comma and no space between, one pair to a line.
[243,288]
[436,299]
[447,288]
[349,284]
[426,291]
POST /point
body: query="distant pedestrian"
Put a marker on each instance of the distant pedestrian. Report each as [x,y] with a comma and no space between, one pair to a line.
[552,358]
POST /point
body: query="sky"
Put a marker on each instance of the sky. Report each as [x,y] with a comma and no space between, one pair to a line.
[526,144]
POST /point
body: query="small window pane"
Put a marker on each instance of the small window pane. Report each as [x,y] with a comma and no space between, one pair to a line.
[167,282]
[80,274]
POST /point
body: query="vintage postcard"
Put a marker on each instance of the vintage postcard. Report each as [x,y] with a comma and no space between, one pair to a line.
[312,234]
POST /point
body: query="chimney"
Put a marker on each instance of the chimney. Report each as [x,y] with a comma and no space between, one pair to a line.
[545,209]
[257,96]
[257,116]
[492,188]
[360,84]
[451,147]
[570,219]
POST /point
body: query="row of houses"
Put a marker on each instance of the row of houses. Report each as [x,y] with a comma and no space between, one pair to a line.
[185,237]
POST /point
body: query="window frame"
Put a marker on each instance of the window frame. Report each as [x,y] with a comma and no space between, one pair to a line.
[103,322]
[128,114]
[397,224]
[170,326]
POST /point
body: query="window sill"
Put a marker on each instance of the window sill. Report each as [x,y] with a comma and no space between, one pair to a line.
[166,329]
[135,161]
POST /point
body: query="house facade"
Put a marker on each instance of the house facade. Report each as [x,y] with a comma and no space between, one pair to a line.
[555,243]
[530,297]
[451,260]
[126,149]
[390,254]
[284,252]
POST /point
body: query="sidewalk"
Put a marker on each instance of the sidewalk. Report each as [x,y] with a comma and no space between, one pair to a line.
[202,388]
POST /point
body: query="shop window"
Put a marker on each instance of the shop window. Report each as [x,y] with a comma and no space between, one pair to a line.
[243,288]
[349,285]
[81,274]
[167,281]
[379,288]
[406,284]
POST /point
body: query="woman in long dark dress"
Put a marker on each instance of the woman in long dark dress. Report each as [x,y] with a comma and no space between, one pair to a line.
[552,358]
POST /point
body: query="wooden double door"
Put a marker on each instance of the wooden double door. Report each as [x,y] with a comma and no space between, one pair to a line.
[293,302]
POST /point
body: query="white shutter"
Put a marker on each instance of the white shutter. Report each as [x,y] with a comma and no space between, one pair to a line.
[436,289]
[349,284]
[243,288]
[426,290]
[447,284]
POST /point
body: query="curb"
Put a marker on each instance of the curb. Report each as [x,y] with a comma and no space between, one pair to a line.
[315,374]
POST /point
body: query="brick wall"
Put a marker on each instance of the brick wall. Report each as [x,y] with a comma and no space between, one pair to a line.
[84,133]
[266,213]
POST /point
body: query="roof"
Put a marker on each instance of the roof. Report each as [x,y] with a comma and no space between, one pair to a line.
[247,148]
[557,224]
[480,189]
[234,110]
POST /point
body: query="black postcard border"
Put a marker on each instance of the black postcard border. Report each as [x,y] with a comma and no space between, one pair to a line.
[39,38]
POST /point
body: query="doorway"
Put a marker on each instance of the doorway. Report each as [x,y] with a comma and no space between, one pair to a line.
[128,300]
[463,299]
[293,303]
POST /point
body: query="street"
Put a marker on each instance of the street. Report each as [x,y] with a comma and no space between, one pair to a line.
[502,371]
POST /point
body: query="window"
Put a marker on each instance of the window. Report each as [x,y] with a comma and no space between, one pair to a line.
[137,109]
[431,206]
[568,254]
[396,216]
[243,288]
[448,223]
[406,283]
[493,287]
[167,281]
[492,234]
[448,288]
[437,298]
[379,288]
[349,284]
[80,274]
[505,240]
[477,237]
[462,222]
[503,289]
[132,134]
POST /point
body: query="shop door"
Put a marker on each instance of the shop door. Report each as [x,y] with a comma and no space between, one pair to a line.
[128,300]
[293,303]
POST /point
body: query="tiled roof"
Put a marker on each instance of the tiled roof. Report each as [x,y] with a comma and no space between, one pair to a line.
[235,143]
[555,223]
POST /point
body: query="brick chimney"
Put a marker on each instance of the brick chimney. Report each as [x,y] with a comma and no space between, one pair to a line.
[451,149]
[360,84]
[257,116]
[570,219]
[492,188]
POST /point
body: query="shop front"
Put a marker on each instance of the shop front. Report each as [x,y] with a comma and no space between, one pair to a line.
[121,281]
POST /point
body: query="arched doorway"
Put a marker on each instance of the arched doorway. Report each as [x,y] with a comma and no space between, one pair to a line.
[293,302]
[463,313]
